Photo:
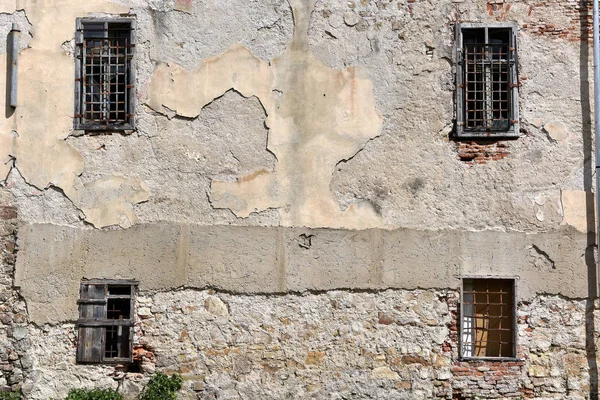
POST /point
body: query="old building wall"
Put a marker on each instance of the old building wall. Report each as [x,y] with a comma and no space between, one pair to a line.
[287,154]
[404,49]
[390,344]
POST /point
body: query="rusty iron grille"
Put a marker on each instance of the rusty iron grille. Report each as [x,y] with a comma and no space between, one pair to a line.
[487,87]
[488,318]
[105,74]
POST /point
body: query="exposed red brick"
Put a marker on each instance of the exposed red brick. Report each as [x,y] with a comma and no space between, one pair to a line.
[8,212]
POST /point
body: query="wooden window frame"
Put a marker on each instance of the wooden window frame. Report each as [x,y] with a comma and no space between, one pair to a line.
[513,130]
[91,342]
[79,122]
[461,355]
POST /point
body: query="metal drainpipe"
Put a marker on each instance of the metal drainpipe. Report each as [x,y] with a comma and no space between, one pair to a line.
[597,120]
[13,57]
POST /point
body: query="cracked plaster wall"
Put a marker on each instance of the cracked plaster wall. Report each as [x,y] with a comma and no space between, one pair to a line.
[34,134]
[177,168]
[342,121]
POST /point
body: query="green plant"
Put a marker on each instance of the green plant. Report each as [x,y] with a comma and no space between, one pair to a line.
[93,394]
[10,396]
[162,387]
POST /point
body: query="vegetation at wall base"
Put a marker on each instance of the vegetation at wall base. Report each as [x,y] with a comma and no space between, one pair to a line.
[162,387]
[10,396]
[93,394]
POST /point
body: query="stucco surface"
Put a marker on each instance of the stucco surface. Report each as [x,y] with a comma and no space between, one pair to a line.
[43,117]
[239,159]
[317,117]
[279,260]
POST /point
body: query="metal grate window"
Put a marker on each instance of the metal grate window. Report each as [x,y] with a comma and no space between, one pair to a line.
[487,97]
[104,78]
[488,318]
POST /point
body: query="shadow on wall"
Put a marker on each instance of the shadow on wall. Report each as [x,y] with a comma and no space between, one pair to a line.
[586,131]
[8,110]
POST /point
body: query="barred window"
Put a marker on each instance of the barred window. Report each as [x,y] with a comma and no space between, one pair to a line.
[487,92]
[488,318]
[104,81]
[106,320]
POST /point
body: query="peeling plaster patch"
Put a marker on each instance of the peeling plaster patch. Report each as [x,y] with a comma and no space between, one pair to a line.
[557,131]
[48,205]
[43,158]
[578,209]
[6,20]
[183,5]
[109,200]
[187,92]
[317,116]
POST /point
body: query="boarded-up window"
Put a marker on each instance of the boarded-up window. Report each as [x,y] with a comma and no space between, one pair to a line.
[106,320]
[104,81]
[488,318]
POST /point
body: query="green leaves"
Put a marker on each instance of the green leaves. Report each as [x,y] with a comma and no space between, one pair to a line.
[162,387]
[93,394]
[10,396]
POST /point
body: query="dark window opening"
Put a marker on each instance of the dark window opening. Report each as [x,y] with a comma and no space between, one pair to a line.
[118,308]
[104,79]
[106,321]
[115,290]
[488,318]
[486,81]
[117,342]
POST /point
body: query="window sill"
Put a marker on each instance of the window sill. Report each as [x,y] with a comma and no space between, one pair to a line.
[79,131]
[510,134]
[112,361]
[490,359]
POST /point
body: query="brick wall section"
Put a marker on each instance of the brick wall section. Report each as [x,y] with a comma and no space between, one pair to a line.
[484,379]
[481,151]
[574,24]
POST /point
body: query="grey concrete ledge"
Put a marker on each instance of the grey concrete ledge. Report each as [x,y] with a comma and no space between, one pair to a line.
[53,259]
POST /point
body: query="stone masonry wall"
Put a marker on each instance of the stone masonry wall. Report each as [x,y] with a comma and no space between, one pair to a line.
[395,344]
[14,342]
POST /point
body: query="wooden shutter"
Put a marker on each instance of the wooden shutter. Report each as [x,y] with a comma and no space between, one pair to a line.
[92,305]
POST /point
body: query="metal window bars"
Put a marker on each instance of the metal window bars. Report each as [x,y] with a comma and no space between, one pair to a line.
[487,87]
[105,50]
[488,318]
[118,306]
[487,96]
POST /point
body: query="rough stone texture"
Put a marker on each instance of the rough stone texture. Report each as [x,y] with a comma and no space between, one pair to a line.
[394,344]
[15,341]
